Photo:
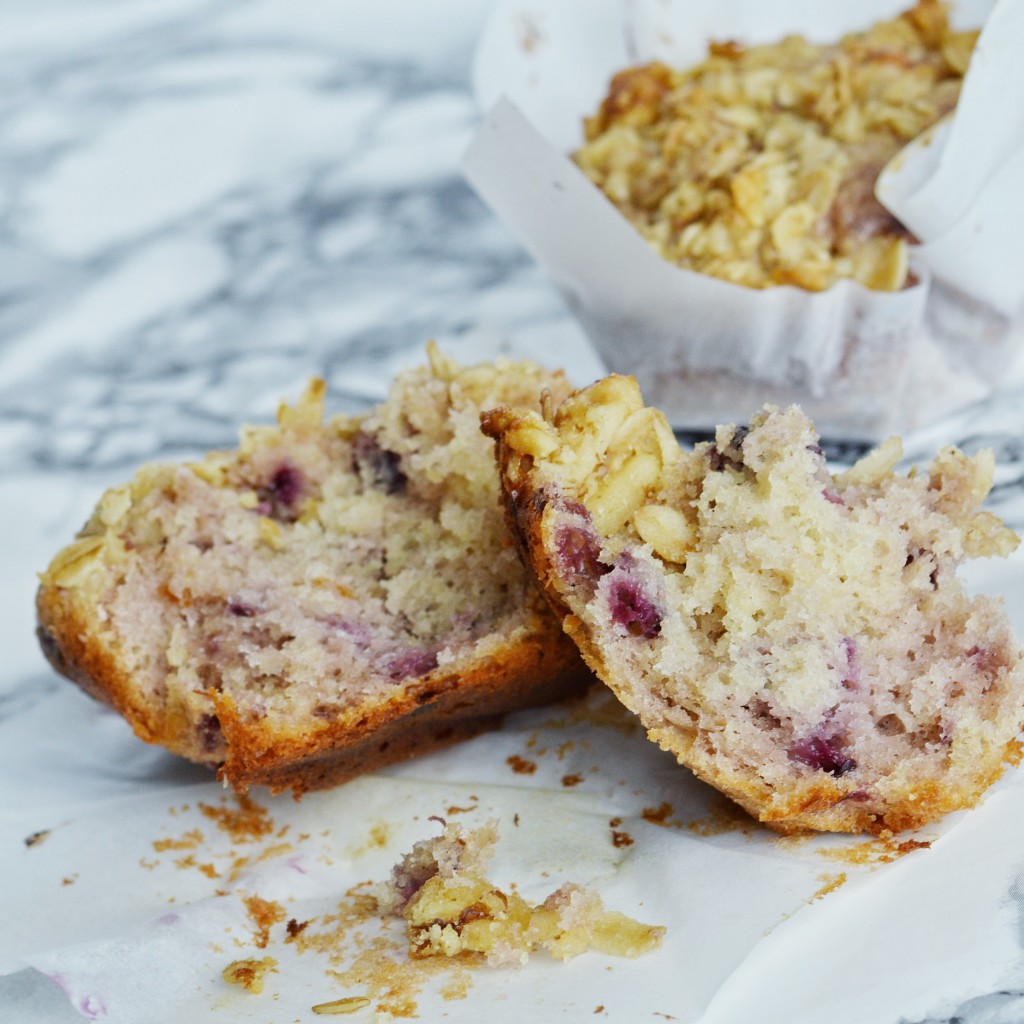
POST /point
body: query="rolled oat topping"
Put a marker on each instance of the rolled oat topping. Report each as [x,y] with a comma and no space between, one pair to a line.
[758,165]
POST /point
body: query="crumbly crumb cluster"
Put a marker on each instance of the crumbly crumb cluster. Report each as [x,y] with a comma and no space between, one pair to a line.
[451,909]
[797,637]
[758,165]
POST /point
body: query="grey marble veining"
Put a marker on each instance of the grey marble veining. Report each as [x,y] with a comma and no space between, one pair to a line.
[204,202]
[201,211]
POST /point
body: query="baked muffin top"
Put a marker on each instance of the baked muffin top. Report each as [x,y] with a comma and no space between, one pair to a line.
[758,165]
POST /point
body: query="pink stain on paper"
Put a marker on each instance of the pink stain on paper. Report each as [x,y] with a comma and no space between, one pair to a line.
[91,1007]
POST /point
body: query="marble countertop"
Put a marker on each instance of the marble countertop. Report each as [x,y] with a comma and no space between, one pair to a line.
[202,204]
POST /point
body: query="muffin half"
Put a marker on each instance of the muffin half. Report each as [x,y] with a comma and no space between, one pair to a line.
[799,639]
[330,597]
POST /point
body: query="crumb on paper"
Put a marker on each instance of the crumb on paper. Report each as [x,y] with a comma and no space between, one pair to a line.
[659,815]
[189,841]
[249,973]
[572,780]
[829,884]
[451,909]
[349,1004]
[883,849]
[620,838]
[244,823]
[37,837]
[264,915]
[520,765]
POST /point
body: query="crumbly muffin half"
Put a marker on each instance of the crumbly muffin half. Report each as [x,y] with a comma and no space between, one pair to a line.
[328,598]
[800,640]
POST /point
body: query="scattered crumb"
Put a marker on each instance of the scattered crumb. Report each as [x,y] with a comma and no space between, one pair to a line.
[264,914]
[571,780]
[245,823]
[37,837]
[249,973]
[392,983]
[620,838]
[831,883]
[295,928]
[451,910]
[659,815]
[70,879]
[377,838]
[189,841]
[882,849]
[338,1006]
[520,765]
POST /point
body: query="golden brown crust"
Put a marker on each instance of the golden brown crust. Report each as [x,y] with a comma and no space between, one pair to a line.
[433,712]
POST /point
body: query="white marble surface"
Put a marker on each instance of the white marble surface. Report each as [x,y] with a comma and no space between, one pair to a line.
[202,203]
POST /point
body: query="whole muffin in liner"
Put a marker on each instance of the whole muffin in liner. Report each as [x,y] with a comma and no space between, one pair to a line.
[863,362]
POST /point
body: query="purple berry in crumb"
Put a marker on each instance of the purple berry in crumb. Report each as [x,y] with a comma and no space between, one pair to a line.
[985,660]
[823,754]
[286,483]
[414,662]
[279,495]
[381,465]
[631,607]
[241,609]
[209,732]
[579,552]
[731,455]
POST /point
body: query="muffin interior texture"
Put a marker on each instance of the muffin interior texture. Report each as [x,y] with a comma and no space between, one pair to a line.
[314,574]
[799,638]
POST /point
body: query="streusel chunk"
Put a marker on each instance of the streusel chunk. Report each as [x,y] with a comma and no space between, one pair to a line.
[451,909]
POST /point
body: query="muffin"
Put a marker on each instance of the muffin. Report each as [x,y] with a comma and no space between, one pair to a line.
[758,165]
[329,597]
[799,639]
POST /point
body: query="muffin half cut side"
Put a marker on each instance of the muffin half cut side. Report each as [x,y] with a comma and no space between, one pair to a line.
[329,597]
[799,639]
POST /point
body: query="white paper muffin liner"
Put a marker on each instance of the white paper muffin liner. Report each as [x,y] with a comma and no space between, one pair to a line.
[863,364]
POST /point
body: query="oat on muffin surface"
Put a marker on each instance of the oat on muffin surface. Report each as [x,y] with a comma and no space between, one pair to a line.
[799,639]
[758,165]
